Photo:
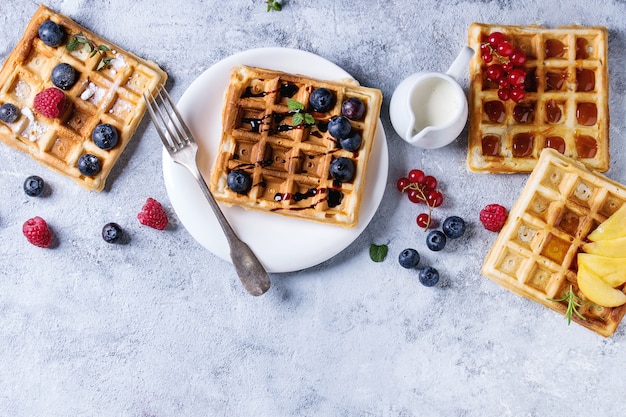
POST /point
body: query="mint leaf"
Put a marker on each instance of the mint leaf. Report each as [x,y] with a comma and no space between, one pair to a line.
[297,119]
[378,253]
[294,105]
[308,119]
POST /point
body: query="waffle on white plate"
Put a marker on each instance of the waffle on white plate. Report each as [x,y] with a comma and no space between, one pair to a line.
[535,253]
[108,90]
[287,162]
[565,105]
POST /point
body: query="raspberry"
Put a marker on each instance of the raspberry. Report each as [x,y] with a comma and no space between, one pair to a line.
[37,232]
[153,215]
[50,102]
[493,217]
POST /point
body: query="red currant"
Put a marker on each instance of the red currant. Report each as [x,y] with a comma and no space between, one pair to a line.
[416,196]
[495,72]
[434,198]
[518,57]
[487,58]
[517,77]
[416,176]
[504,82]
[504,93]
[402,184]
[505,49]
[507,66]
[430,182]
[495,39]
[517,94]
[423,220]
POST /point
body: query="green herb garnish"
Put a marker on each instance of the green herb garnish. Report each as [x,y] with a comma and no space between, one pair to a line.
[274,5]
[574,302]
[81,41]
[300,116]
[378,253]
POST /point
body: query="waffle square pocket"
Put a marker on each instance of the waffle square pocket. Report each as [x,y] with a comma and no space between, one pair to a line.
[535,253]
[565,105]
[108,88]
[274,139]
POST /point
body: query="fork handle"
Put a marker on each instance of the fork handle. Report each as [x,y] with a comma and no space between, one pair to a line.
[252,274]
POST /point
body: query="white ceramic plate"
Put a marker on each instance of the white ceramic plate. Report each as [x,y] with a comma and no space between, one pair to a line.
[281,243]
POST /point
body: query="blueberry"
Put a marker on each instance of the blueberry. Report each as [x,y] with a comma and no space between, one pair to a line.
[429,276]
[453,227]
[89,164]
[64,76]
[409,258]
[51,33]
[112,233]
[339,127]
[33,186]
[436,240]
[321,99]
[352,143]
[353,108]
[104,136]
[342,169]
[239,181]
[9,113]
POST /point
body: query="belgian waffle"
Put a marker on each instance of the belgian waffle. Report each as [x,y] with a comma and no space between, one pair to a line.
[535,253]
[565,105]
[289,166]
[112,94]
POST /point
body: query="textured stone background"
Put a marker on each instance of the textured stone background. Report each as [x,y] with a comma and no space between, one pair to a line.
[160,327]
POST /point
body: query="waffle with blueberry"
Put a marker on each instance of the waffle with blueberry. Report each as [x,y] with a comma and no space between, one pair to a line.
[71,99]
[295,146]
[534,88]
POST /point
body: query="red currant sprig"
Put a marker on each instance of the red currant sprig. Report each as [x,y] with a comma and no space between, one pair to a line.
[508,72]
[421,188]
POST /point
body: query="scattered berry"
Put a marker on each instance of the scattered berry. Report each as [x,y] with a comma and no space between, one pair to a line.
[493,217]
[112,233]
[33,186]
[50,102]
[409,258]
[353,108]
[153,215]
[342,169]
[429,276]
[339,127]
[89,164]
[436,240]
[508,70]
[9,113]
[239,181]
[51,33]
[423,220]
[64,76]
[321,100]
[421,188]
[37,232]
[104,136]
[453,227]
[434,198]
[352,143]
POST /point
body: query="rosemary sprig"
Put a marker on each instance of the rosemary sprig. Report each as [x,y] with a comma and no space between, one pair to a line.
[300,116]
[79,40]
[574,302]
[274,5]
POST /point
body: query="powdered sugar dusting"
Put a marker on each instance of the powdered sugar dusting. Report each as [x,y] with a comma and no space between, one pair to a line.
[33,130]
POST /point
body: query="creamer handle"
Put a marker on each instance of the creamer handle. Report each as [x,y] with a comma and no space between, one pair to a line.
[459,66]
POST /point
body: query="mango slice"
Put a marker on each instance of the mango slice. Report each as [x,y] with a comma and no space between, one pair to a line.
[612,228]
[598,291]
[610,270]
[613,248]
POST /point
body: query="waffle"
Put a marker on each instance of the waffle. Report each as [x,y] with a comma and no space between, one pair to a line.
[112,94]
[289,166]
[535,253]
[565,106]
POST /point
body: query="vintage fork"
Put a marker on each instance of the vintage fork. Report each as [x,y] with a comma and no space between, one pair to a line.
[182,147]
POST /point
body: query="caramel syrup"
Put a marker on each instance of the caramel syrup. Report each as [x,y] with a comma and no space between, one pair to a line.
[495,111]
[553,112]
[586,146]
[556,142]
[491,145]
[554,48]
[581,48]
[587,114]
[523,145]
[524,112]
[555,80]
[585,80]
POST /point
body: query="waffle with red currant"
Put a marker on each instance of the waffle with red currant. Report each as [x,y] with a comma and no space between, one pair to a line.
[533,88]
[71,99]
[535,253]
[295,146]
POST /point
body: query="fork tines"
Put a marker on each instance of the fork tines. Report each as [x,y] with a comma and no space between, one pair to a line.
[169,123]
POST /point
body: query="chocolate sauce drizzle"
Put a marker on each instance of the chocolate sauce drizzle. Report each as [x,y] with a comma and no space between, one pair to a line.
[333,197]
